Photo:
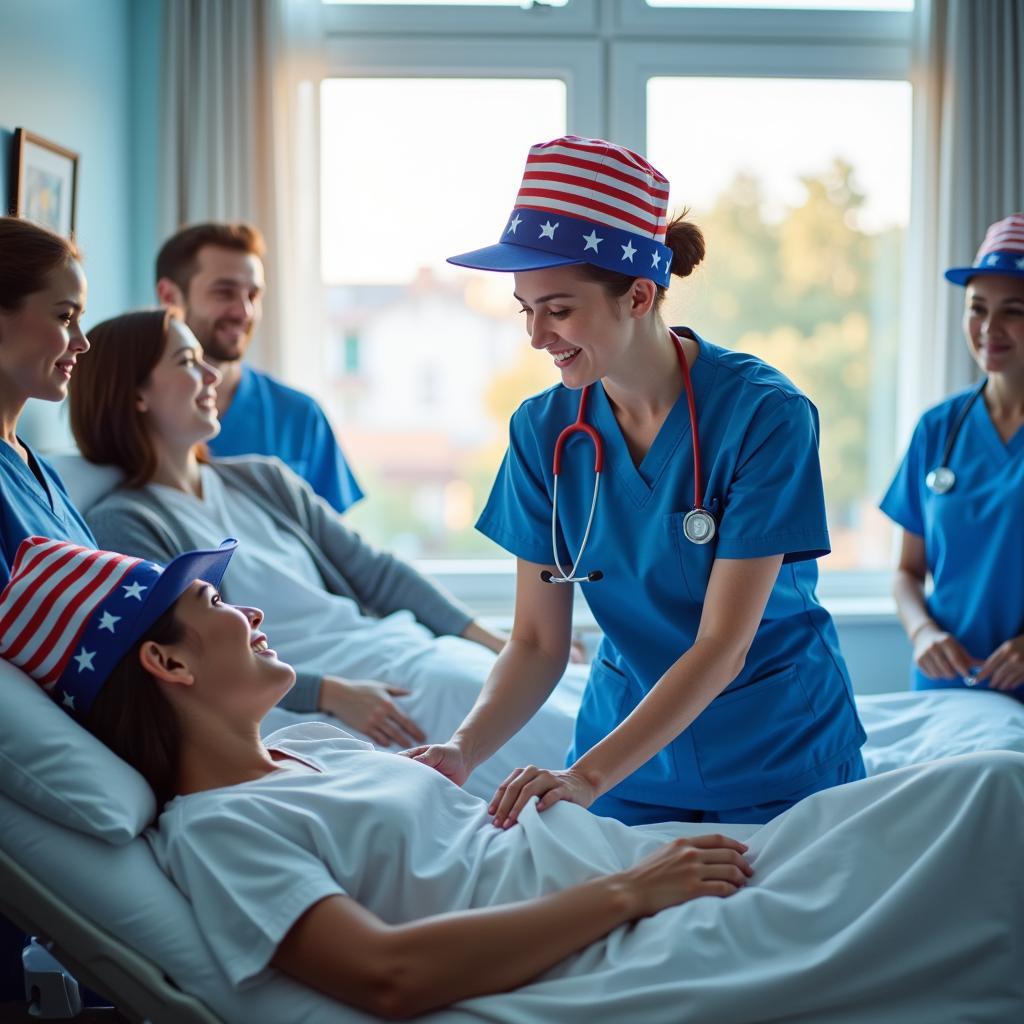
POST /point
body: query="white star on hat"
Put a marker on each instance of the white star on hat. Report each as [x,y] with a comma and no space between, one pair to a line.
[1020,263]
[68,701]
[547,229]
[134,590]
[592,241]
[514,223]
[655,259]
[628,251]
[992,260]
[108,620]
[84,659]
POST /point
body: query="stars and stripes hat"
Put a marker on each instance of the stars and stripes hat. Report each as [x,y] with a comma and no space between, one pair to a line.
[69,614]
[584,201]
[1002,252]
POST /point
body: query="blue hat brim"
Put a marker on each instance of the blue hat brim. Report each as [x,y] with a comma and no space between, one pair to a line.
[961,275]
[207,565]
[508,257]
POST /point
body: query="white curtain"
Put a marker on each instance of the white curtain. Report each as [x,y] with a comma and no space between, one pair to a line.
[967,74]
[240,141]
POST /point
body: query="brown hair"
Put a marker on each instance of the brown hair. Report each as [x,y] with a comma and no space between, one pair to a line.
[133,717]
[105,418]
[686,241]
[28,253]
[178,258]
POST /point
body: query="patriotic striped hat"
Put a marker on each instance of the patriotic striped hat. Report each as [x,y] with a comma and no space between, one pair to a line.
[1002,252]
[69,614]
[584,201]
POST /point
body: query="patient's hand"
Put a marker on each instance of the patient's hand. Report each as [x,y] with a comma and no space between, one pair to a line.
[368,707]
[551,786]
[687,868]
[445,758]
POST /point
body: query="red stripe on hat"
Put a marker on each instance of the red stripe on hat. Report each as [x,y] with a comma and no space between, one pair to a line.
[57,590]
[637,181]
[575,183]
[29,550]
[652,227]
[610,151]
[56,583]
[103,583]
[31,588]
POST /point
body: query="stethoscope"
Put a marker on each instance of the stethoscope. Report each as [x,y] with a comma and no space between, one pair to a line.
[698,524]
[942,479]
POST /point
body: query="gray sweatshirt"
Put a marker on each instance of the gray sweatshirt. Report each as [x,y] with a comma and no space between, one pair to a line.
[138,522]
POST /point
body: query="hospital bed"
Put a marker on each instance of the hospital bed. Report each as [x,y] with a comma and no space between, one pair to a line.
[75,870]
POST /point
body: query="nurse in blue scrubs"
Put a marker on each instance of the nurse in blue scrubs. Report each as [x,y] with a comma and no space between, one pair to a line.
[718,692]
[959,494]
[42,298]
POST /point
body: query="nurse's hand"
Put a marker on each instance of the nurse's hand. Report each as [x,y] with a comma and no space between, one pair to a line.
[368,707]
[550,786]
[445,758]
[1004,668]
[939,655]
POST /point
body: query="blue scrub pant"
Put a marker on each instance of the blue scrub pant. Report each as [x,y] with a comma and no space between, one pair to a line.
[632,812]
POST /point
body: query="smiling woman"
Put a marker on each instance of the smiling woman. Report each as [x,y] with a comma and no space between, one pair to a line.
[42,298]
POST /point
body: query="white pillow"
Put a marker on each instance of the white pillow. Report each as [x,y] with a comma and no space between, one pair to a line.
[53,766]
[86,482]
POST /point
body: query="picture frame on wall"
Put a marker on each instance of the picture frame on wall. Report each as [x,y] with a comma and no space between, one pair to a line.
[44,182]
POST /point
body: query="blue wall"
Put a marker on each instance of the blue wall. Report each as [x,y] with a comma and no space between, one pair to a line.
[85,73]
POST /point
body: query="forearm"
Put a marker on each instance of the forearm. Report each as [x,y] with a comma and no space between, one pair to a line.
[486,638]
[674,702]
[908,591]
[425,965]
[522,679]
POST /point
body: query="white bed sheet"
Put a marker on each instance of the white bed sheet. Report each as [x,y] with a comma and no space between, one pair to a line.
[905,954]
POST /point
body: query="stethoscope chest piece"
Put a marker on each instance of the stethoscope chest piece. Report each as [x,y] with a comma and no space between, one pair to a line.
[940,480]
[699,526]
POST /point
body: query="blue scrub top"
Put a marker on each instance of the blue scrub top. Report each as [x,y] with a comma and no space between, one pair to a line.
[789,716]
[267,417]
[28,509]
[973,534]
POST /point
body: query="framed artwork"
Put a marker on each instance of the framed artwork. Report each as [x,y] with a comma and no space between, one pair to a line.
[45,178]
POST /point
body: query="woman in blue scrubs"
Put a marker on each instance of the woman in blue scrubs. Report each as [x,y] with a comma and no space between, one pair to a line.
[718,692]
[959,494]
[42,298]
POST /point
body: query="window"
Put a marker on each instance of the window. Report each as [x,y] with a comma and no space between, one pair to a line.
[443,356]
[804,217]
[787,133]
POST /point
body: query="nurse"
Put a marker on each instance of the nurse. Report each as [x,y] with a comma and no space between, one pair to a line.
[42,298]
[959,494]
[718,692]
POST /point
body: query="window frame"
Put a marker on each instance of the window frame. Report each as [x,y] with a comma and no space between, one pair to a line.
[576,17]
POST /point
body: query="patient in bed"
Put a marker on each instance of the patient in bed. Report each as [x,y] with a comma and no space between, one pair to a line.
[373,642]
[375,880]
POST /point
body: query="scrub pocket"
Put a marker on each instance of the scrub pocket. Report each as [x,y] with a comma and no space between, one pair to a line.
[695,560]
[605,697]
[609,698]
[760,737]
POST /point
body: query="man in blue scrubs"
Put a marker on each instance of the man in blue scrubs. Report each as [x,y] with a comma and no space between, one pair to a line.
[214,272]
